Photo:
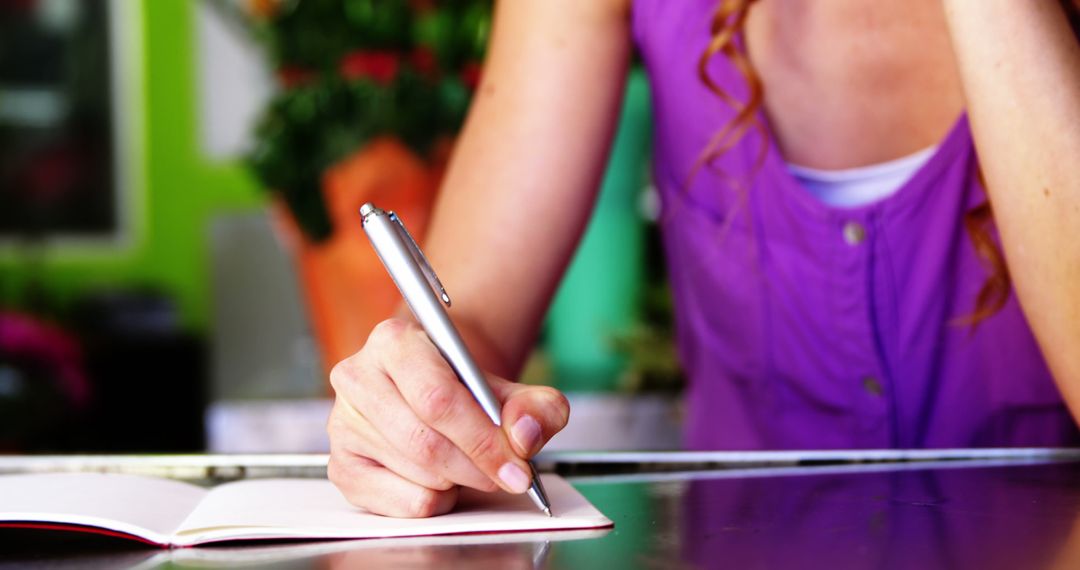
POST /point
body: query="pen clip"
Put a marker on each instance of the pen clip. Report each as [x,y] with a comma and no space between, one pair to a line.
[418,255]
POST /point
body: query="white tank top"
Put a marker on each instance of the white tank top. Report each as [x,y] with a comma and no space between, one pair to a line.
[853,187]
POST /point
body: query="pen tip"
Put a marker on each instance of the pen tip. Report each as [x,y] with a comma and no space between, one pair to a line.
[547,511]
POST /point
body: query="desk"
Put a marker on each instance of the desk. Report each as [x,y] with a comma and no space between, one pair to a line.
[999,512]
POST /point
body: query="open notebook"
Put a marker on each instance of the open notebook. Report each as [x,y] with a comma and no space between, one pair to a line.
[171,513]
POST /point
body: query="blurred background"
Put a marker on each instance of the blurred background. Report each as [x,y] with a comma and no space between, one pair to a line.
[180,256]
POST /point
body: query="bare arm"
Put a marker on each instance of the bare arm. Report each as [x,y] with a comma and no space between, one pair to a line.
[404,433]
[1020,67]
[524,175]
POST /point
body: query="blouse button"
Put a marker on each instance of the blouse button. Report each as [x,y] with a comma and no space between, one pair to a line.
[854,233]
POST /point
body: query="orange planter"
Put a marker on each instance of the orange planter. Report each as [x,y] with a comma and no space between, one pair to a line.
[347,289]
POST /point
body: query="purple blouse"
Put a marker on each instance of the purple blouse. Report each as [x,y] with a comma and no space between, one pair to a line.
[805,326]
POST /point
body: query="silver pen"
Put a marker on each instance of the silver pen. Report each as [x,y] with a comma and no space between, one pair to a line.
[418,285]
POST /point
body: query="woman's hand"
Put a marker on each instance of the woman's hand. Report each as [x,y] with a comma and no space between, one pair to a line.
[405,433]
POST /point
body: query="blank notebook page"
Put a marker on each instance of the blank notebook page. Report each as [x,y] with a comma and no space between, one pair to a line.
[120,502]
[315,508]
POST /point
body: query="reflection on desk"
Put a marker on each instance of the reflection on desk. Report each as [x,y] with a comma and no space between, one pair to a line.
[951,515]
[993,517]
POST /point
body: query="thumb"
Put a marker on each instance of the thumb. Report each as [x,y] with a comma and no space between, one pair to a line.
[531,415]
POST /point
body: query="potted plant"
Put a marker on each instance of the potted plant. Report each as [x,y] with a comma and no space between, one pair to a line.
[371,95]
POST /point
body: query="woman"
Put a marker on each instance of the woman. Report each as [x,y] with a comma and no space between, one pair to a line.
[838,278]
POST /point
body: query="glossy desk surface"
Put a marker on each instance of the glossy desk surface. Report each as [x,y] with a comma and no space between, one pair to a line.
[1018,513]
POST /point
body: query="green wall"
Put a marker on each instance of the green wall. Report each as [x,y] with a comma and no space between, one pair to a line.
[177,189]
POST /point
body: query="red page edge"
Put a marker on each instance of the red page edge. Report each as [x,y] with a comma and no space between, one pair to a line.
[80,528]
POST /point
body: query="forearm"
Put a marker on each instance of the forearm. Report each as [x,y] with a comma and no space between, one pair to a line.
[524,174]
[1020,67]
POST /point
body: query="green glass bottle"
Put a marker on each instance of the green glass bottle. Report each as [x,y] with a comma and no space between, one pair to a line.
[599,296]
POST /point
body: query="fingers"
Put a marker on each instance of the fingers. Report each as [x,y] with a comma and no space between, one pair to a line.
[371,486]
[531,415]
[391,433]
[405,432]
[440,401]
